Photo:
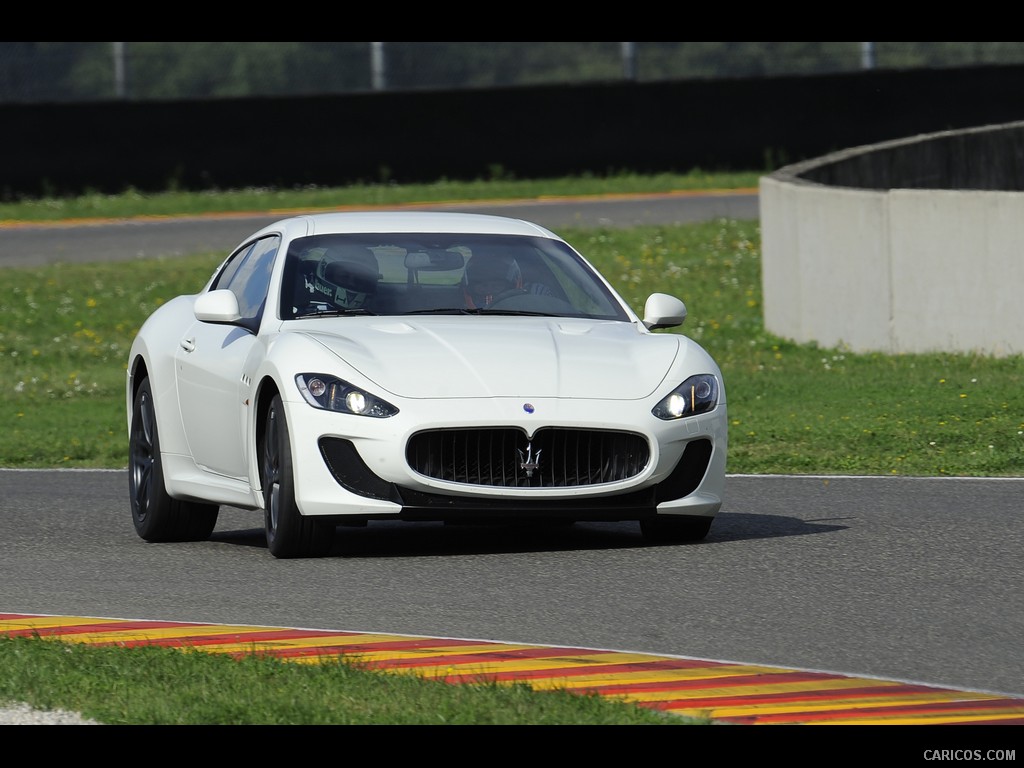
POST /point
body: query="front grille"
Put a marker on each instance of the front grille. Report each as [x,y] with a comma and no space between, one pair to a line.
[506,458]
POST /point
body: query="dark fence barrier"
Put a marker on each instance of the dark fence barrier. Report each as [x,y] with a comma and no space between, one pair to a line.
[988,158]
[757,124]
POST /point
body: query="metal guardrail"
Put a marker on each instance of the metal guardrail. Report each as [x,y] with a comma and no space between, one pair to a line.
[32,72]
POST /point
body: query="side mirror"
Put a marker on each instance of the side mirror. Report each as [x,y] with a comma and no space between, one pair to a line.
[219,306]
[663,311]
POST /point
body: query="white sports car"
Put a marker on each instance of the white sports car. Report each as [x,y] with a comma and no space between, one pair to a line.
[341,368]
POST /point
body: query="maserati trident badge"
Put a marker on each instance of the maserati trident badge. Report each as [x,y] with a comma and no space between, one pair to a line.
[529,462]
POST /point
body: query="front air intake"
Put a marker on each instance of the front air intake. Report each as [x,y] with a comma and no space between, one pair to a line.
[507,458]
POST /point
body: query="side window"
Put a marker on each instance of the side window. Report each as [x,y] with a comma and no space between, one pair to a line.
[247,275]
[231,267]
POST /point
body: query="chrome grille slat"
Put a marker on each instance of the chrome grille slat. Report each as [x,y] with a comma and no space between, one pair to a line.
[490,457]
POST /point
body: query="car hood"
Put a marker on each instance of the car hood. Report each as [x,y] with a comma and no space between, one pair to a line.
[462,357]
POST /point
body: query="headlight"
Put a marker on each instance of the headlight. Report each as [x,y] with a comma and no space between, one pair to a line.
[698,394]
[333,394]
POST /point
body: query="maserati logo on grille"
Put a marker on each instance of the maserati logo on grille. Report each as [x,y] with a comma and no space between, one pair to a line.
[528,461]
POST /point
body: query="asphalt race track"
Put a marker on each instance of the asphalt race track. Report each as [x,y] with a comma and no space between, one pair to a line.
[29,244]
[814,600]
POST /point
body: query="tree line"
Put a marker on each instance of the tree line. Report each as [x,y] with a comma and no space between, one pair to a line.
[94,71]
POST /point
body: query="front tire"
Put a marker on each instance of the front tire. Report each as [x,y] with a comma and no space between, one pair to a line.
[675,530]
[156,516]
[289,533]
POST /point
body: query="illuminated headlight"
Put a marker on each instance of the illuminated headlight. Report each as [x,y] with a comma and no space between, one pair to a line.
[698,394]
[333,394]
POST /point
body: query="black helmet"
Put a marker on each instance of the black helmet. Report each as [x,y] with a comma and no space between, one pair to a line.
[348,275]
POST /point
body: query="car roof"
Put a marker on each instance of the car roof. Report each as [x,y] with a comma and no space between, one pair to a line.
[402,221]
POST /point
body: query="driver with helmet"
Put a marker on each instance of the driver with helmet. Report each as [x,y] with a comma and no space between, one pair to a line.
[347,275]
[488,277]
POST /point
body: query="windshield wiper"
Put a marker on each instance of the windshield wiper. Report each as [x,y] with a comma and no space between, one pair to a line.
[479,311]
[335,313]
[514,312]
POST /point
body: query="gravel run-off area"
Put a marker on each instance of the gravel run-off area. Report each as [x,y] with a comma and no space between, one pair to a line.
[23,714]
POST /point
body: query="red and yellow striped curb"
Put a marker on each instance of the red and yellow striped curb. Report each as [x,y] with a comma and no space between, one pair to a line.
[724,692]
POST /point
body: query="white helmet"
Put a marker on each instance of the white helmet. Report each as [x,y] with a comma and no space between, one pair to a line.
[487,276]
[347,275]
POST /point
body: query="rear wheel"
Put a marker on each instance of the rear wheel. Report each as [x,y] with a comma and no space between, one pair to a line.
[666,529]
[158,517]
[289,534]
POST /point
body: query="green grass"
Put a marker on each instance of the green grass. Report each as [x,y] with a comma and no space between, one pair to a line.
[499,187]
[64,339]
[794,409]
[149,685]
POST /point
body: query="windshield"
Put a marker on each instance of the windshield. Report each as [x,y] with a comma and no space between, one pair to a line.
[403,274]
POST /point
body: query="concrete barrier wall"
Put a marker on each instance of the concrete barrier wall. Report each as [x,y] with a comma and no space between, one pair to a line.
[894,270]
